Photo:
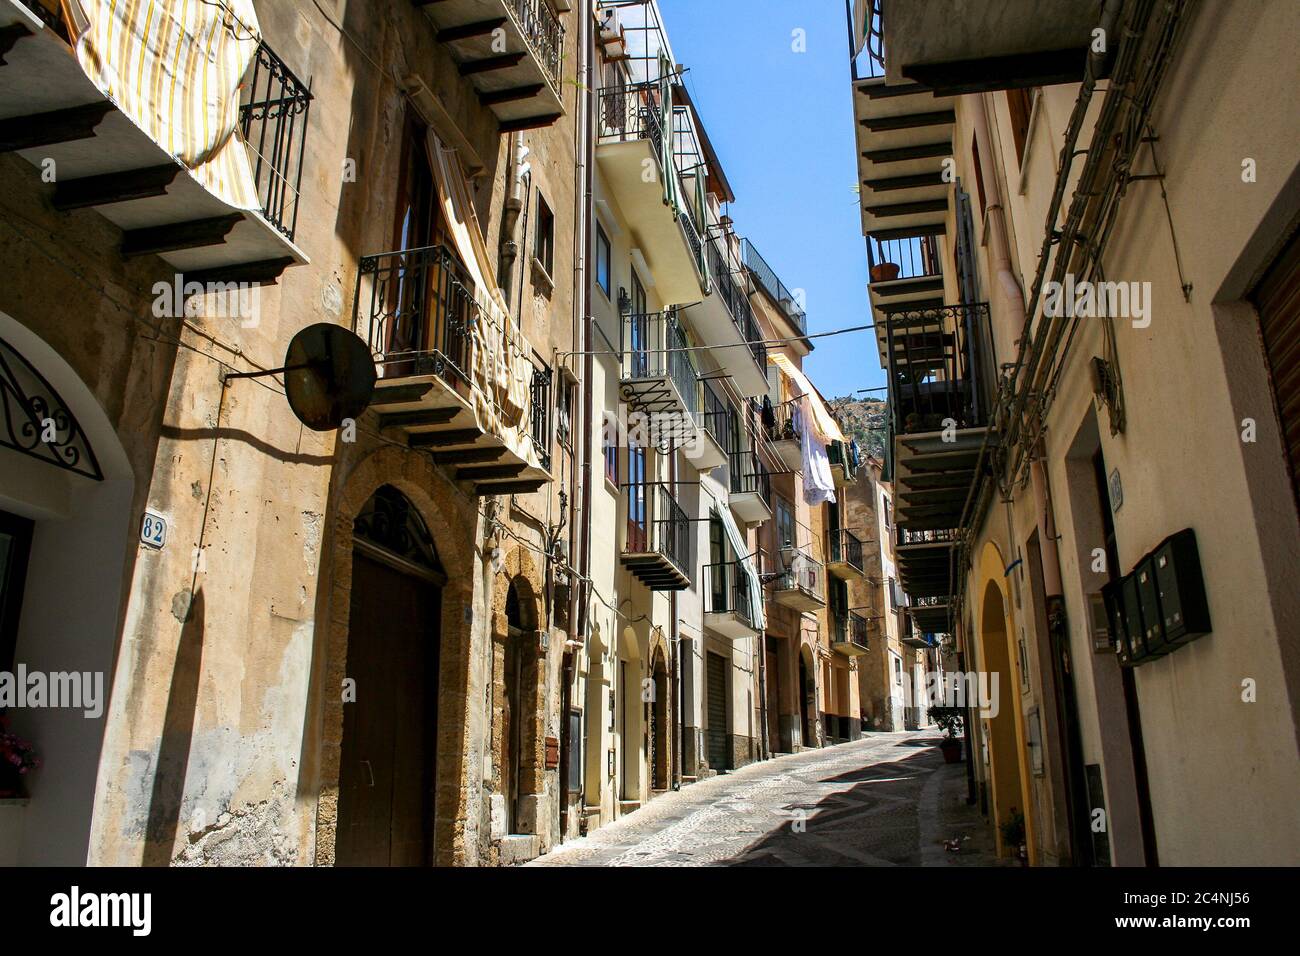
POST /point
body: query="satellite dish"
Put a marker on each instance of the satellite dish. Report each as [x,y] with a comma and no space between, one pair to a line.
[329,375]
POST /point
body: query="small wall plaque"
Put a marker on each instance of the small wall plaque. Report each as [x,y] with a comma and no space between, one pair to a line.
[153,530]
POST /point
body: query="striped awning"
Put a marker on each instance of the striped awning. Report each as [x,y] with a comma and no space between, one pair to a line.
[174,68]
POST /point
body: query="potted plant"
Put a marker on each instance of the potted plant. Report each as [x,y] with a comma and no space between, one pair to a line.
[884,271]
[17,757]
[949,720]
[1013,834]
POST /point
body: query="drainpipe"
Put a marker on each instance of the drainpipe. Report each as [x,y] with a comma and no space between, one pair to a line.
[508,250]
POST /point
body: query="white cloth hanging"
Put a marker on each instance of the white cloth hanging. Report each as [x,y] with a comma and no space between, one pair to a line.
[818,485]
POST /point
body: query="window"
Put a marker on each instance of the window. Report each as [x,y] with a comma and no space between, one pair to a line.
[893,595]
[564,414]
[604,256]
[885,510]
[898,671]
[15,544]
[1020,104]
[544,240]
[611,461]
[785,537]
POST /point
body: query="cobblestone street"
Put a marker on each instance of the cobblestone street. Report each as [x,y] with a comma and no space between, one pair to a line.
[886,800]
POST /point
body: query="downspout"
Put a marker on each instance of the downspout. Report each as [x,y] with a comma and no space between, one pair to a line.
[508,249]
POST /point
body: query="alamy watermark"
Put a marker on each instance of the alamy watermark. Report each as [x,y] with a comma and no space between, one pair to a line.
[1090,300]
[75,690]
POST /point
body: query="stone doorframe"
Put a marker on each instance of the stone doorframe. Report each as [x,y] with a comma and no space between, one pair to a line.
[453,535]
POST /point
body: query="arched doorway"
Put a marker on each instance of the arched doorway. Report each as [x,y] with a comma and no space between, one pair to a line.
[807,699]
[388,753]
[1004,751]
[659,735]
[629,717]
[517,703]
[66,487]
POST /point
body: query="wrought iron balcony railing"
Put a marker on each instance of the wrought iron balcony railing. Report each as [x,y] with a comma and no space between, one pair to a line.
[914,257]
[938,536]
[631,112]
[749,475]
[737,302]
[850,627]
[656,524]
[794,568]
[934,372]
[845,547]
[718,418]
[870,62]
[654,346]
[418,306]
[544,33]
[788,421]
[273,118]
[727,590]
[767,278]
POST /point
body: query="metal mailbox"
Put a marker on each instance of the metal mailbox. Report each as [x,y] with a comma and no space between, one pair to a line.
[1113,594]
[1137,650]
[1185,611]
[1153,624]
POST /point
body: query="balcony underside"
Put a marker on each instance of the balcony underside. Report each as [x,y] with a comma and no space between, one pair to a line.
[729,624]
[933,477]
[510,78]
[839,475]
[968,47]
[437,417]
[845,570]
[799,599]
[750,507]
[713,323]
[657,232]
[925,569]
[653,395]
[919,643]
[931,619]
[904,137]
[51,112]
[850,648]
[656,571]
[706,453]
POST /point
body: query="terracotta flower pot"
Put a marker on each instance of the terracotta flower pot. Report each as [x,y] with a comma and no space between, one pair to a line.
[884,272]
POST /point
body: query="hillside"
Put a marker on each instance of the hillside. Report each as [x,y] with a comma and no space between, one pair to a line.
[864,419]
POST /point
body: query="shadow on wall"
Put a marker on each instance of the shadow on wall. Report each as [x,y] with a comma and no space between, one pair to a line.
[177,737]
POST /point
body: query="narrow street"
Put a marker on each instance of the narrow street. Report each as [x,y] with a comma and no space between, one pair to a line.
[886,800]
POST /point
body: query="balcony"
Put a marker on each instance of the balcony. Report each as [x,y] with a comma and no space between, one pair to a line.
[849,633]
[796,579]
[513,53]
[955,48]
[631,139]
[728,605]
[786,434]
[928,615]
[658,375]
[845,555]
[939,385]
[717,421]
[425,325]
[837,452]
[766,280]
[751,488]
[724,319]
[55,117]
[656,537]
[925,563]
[906,275]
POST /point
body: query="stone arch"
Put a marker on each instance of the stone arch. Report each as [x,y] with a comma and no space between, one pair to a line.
[660,749]
[630,723]
[414,477]
[807,693]
[519,685]
[995,621]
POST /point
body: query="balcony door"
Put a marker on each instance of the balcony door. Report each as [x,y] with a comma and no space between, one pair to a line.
[421,282]
[637,503]
[639,331]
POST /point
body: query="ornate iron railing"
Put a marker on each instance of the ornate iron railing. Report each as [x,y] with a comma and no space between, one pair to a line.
[542,29]
[631,112]
[273,119]
[36,421]
[656,524]
[935,536]
[793,568]
[539,398]
[727,590]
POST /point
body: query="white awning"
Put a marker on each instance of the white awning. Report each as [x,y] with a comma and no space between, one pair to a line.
[823,420]
[741,549]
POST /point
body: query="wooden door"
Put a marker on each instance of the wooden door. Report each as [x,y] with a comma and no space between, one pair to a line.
[385,815]
[716,685]
[1277,299]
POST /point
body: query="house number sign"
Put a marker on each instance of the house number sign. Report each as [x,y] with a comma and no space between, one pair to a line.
[153,530]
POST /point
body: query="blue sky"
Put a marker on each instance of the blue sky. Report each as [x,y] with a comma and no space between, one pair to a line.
[782,124]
